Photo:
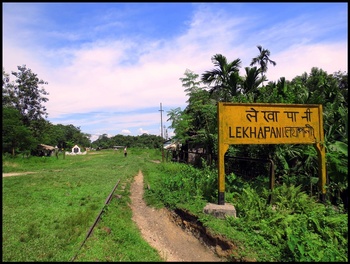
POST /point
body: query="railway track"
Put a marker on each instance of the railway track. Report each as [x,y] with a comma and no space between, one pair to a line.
[109,198]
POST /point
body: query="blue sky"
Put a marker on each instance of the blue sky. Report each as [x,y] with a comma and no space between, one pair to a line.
[109,66]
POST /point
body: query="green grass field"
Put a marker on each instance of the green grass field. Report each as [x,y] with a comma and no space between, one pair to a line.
[47,214]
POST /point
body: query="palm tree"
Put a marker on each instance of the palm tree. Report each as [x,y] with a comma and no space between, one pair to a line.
[226,78]
[252,81]
[262,59]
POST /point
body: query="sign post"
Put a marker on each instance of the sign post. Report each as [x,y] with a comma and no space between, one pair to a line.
[259,123]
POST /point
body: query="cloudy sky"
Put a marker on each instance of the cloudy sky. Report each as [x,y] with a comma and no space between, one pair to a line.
[110,66]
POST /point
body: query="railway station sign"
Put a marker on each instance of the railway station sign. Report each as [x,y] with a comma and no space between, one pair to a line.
[261,123]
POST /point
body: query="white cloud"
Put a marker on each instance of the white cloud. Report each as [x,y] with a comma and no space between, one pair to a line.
[300,59]
[110,86]
[142,131]
[126,132]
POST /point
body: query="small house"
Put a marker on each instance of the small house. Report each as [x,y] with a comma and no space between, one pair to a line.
[45,150]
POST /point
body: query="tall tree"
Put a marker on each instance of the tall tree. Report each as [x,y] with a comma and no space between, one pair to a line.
[225,78]
[26,95]
[263,59]
[197,123]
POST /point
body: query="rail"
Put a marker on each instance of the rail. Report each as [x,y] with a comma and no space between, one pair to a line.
[109,198]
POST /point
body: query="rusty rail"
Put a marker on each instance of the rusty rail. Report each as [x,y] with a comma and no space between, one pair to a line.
[109,198]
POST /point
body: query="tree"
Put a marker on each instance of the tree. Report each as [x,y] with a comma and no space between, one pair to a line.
[104,142]
[73,136]
[7,92]
[252,81]
[263,59]
[197,122]
[225,78]
[197,102]
[342,79]
[16,137]
[25,95]
[180,122]
[190,82]
[5,78]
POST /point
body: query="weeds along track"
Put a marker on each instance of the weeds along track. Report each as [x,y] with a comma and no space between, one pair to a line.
[109,198]
[223,247]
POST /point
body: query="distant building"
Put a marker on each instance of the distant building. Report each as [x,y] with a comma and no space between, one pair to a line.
[45,150]
[118,147]
[76,151]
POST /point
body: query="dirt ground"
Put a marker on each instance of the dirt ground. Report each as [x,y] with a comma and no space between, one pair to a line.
[15,174]
[172,242]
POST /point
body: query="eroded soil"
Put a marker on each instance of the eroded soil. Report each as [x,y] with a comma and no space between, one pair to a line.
[164,230]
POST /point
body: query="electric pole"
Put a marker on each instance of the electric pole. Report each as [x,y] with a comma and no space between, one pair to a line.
[161,131]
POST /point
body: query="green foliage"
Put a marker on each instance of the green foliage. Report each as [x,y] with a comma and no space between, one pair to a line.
[336,138]
[142,141]
[251,82]
[178,183]
[301,228]
[223,81]
[337,161]
[16,137]
[25,95]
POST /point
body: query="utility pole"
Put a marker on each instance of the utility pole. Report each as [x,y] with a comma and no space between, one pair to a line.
[166,134]
[161,131]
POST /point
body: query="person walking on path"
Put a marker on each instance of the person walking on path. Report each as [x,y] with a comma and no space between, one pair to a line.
[125,152]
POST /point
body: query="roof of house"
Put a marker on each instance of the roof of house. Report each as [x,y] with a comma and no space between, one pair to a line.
[45,147]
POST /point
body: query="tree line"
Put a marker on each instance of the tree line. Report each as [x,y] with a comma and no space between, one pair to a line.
[141,141]
[25,123]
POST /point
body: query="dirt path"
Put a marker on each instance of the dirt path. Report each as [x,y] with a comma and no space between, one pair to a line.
[172,242]
[15,174]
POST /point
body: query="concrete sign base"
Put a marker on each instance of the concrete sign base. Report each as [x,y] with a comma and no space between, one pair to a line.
[220,211]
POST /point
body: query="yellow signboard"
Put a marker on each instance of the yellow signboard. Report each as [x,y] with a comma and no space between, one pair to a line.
[269,123]
[259,123]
